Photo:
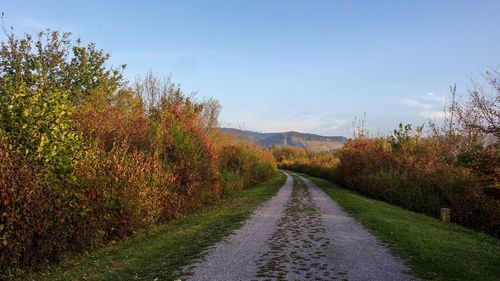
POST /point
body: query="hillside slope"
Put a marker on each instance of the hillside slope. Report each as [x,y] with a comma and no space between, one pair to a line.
[310,142]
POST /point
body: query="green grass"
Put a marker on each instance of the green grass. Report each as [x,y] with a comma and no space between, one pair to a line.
[162,252]
[433,250]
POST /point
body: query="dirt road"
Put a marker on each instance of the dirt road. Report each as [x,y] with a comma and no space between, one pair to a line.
[300,234]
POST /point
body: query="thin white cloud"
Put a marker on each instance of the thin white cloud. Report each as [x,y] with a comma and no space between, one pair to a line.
[433,97]
[433,114]
[319,123]
[428,105]
[415,103]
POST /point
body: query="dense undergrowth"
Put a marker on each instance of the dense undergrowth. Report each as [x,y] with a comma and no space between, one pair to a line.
[87,157]
[455,166]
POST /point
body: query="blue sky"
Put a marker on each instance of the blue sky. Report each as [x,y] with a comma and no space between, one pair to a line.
[309,66]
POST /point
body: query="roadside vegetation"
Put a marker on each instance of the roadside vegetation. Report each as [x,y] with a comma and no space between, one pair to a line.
[164,251]
[433,250]
[89,158]
[454,165]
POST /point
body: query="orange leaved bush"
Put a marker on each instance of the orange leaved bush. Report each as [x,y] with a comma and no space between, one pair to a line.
[243,163]
[418,172]
[418,175]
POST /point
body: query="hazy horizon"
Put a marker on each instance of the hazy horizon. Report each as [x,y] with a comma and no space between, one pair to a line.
[280,132]
[279,66]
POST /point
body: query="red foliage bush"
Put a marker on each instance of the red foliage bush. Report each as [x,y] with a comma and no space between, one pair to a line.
[112,126]
[33,212]
[415,172]
[417,176]
[121,192]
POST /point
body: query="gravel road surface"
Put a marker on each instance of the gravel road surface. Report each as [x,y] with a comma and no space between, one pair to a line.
[355,254]
[300,234]
[235,257]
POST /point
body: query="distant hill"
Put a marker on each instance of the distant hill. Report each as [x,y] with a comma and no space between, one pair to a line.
[310,142]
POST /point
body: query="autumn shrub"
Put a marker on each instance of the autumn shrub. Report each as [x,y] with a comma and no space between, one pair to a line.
[416,176]
[319,164]
[117,193]
[34,212]
[289,154]
[423,172]
[243,163]
[266,166]
[167,128]
[121,191]
[86,159]
[114,117]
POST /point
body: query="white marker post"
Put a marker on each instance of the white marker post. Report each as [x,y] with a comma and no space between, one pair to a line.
[445,215]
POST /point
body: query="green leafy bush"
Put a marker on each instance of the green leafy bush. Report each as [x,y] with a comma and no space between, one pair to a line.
[39,125]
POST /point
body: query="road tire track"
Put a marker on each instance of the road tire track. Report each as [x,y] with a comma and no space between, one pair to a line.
[297,248]
[300,234]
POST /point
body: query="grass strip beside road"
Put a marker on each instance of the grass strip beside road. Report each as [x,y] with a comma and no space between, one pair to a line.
[162,252]
[432,249]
